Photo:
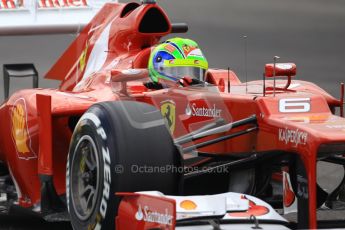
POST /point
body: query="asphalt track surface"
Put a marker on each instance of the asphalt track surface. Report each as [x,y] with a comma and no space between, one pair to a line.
[310,33]
[22,222]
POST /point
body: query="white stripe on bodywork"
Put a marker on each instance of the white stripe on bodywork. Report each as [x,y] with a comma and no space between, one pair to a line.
[98,55]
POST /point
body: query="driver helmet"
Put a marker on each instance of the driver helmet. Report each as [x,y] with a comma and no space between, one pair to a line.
[177,58]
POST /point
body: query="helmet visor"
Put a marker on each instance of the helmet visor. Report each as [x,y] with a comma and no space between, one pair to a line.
[178,72]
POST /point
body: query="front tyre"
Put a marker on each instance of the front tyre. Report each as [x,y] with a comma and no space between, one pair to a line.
[114,148]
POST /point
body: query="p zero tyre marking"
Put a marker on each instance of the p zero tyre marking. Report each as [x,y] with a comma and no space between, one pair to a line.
[107,182]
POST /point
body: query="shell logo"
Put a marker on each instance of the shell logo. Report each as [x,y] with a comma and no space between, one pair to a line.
[139,215]
[188,205]
[20,130]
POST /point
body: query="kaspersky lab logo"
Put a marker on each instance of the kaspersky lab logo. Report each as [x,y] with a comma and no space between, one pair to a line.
[196,111]
[147,215]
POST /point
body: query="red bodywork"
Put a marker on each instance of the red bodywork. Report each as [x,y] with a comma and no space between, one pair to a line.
[36,128]
[133,206]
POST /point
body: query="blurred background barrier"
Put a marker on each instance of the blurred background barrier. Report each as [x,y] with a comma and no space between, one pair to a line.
[310,33]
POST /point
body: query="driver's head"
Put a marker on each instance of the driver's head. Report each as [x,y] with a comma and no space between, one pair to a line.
[177,58]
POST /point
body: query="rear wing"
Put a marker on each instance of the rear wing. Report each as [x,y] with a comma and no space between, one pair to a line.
[32,17]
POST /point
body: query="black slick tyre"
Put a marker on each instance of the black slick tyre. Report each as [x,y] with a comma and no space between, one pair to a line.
[117,147]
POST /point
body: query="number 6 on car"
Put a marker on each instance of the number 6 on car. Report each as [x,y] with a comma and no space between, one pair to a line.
[294,105]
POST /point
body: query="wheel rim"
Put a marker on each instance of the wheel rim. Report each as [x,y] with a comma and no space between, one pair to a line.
[85,177]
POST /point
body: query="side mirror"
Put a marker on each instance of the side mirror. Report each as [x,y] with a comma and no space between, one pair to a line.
[120,79]
[281,70]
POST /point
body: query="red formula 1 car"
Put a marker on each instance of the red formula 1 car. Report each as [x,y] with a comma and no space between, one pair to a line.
[102,131]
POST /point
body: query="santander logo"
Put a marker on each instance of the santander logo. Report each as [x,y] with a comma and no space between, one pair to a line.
[196,111]
[148,215]
[139,215]
[61,3]
[188,110]
[11,4]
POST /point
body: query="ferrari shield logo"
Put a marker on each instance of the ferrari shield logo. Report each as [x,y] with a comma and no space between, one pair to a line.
[82,59]
[168,110]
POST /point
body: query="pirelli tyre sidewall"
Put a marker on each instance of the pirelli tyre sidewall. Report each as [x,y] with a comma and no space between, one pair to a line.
[120,146]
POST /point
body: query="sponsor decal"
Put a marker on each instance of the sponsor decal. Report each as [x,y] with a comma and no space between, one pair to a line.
[148,215]
[97,57]
[49,4]
[168,110]
[283,66]
[20,130]
[295,137]
[188,205]
[196,111]
[335,126]
[170,48]
[192,51]
[82,59]
[187,49]
[196,53]
[308,118]
[11,4]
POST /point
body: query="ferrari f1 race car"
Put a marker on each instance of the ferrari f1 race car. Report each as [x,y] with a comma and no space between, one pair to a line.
[88,148]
